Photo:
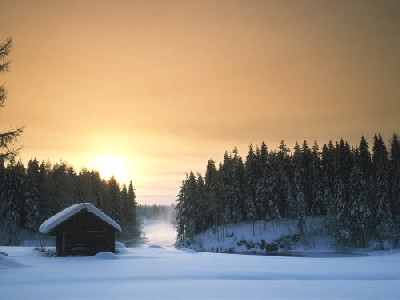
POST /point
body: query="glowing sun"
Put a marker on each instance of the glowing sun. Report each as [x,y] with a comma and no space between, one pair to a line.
[111,165]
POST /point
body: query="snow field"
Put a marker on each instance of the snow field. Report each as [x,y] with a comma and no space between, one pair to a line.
[158,273]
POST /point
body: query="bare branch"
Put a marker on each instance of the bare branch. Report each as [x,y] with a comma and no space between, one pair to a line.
[5,49]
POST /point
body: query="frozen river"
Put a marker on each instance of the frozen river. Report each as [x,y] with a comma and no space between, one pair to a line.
[159,233]
[165,273]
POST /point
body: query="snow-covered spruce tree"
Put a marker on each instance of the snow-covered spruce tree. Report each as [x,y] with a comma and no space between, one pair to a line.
[212,200]
[82,187]
[239,201]
[262,172]
[317,190]
[358,206]
[306,165]
[298,173]
[128,211]
[132,206]
[343,165]
[227,190]
[180,209]
[114,198]
[201,214]
[285,171]
[97,187]
[271,211]
[262,198]
[47,204]
[125,212]
[338,210]
[186,208]
[328,175]
[61,185]
[381,213]
[307,174]
[340,219]
[365,166]
[301,213]
[32,195]
[251,175]
[279,175]
[365,162]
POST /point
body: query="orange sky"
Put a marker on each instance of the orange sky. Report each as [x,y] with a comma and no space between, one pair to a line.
[163,86]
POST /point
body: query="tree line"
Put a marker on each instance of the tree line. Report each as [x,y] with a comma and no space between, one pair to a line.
[358,192]
[30,195]
[156,212]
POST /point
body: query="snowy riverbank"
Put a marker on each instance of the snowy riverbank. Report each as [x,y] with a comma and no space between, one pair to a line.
[279,237]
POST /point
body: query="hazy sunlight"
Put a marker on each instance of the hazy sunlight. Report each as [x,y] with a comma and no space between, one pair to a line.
[111,165]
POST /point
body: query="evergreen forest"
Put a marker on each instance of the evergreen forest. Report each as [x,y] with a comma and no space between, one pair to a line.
[358,191]
[30,195]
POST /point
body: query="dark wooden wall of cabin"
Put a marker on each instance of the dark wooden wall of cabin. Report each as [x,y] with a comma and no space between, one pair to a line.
[84,234]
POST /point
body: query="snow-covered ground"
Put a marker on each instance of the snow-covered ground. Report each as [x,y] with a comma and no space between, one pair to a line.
[152,272]
[158,271]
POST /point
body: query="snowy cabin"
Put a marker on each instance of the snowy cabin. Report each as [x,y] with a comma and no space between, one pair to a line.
[82,229]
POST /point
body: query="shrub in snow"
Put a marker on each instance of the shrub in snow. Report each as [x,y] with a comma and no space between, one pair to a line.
[45,251]
[271,247]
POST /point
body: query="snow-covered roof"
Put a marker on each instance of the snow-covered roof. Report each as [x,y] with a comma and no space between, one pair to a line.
[67,213]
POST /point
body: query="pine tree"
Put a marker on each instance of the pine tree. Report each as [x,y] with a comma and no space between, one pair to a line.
[125,209]
[203,219]
[238,184]
[262,198]
[278,177]
[98,189]
[317,191]
[340,219]
[285,178]
[358,206]
[186,208]
[365,166]
[47,204]
[328,175]
[381,213]
[181,211]
[301,213]
[213,202]
[32,195]
[132,205]
[114,199]
[365,162]
[251,175]
[7,137]
[226,190]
